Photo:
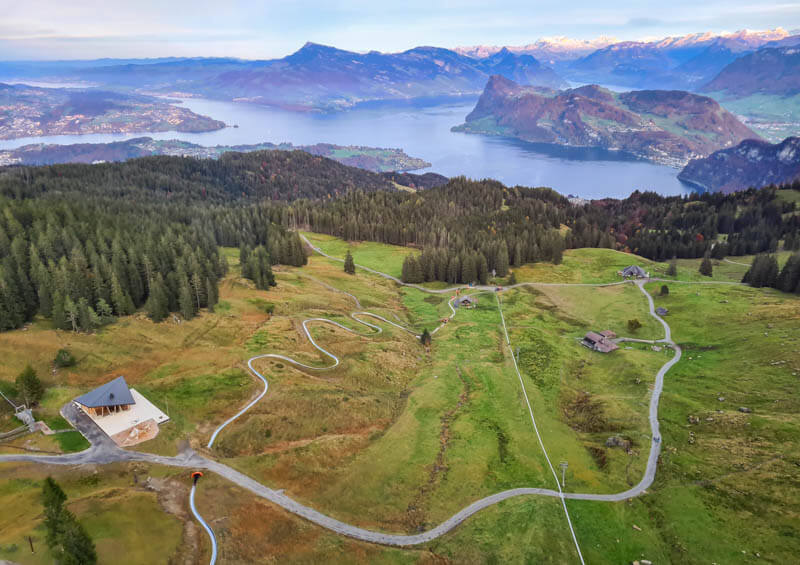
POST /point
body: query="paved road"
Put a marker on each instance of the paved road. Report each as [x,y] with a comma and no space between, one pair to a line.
[105,451]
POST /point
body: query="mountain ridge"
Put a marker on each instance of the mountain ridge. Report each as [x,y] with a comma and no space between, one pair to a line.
[669,127]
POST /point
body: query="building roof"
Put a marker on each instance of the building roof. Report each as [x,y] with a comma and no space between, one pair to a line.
[594,337]
[600,342]
[661,311]
[634,271]
[467,300]
[113,393]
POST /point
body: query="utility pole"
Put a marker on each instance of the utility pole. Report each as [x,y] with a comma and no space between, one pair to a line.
[563,466]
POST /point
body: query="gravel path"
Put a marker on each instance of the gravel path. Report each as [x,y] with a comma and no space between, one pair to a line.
[103,450]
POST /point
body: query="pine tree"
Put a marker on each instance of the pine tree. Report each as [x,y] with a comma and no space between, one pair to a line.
[664,290]
[29,386]
[512,279]
[762,272]
[67,539]
[706,269]
[501,264]
[349,264]
[157,304]
[672,270]
[186,300]
[212,293]
[78,548]
[425,339]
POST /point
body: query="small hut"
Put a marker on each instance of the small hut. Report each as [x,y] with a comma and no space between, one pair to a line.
[634,272]
[600,341]
[466,302]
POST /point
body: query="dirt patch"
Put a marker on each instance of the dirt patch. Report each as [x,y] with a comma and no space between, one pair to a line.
[137,434]
[583,413]
[415,513]
[173,496]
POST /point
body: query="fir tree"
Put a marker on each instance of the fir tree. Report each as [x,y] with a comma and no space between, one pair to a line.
[706,269]
[425,338]
[349,264]
[29,386]
[672,270]
[185,300]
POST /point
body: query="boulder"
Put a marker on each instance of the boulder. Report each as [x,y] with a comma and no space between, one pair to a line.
[617,441]
[744,409]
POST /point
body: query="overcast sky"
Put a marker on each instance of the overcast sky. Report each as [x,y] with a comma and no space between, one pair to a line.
[70,29]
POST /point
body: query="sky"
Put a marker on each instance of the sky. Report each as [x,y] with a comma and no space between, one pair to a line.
[252,29]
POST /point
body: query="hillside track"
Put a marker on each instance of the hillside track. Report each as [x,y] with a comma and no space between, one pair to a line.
[103,451]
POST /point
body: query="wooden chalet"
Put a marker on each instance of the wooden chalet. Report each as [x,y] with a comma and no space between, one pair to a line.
[110,398]
[600,341]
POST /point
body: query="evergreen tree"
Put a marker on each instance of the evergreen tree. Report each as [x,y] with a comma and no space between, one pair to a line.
[706,269]
[68,541]
[157,305]
[425,339]
[64,358]
[349,264]
[29,386]
[664,290]
[512,279]
[672,270]
[501,264]
[762,272]
[185,300]
[789,278]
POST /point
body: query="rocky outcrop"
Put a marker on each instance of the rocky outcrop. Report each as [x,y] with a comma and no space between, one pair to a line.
[752,163]
[666,126]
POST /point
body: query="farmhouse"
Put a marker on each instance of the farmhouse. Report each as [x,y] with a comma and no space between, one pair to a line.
[466,302]
[122,413]
[634,271]
[600,341]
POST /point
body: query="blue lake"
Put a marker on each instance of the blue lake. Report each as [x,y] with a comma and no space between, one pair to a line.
[422,132]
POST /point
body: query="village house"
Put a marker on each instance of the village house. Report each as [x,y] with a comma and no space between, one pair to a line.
[634,272]
[466,302]
[601,342]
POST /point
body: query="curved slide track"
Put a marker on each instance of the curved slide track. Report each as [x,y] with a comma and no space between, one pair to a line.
[205,526]
[103,451]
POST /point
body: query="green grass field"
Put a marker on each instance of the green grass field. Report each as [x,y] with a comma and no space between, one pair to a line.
[398,439]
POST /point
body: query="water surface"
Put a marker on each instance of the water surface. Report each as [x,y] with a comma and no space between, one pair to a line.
[425,133]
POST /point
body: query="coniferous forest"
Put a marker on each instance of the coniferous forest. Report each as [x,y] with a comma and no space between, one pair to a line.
[84,244]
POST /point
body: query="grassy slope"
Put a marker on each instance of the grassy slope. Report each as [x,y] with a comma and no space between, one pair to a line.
[125,521]
[362,441]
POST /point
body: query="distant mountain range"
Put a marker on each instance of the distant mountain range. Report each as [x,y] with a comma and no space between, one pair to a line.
[669,127]
[320,77]
[752,163]
[373,159]
[684,62]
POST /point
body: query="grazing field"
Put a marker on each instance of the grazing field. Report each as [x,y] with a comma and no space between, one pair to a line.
[398,438]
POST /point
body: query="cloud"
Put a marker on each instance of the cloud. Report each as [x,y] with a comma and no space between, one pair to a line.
[645,22]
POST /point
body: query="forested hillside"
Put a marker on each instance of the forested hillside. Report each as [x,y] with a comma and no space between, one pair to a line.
[82,244]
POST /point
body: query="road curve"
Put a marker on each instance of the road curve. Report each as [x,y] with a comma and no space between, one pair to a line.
[100,452]
[205,526]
